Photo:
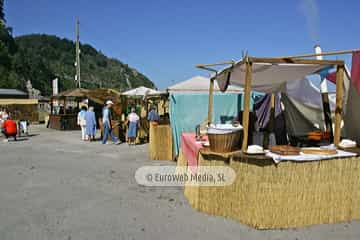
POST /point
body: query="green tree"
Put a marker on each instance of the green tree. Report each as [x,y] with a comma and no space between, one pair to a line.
[2,15]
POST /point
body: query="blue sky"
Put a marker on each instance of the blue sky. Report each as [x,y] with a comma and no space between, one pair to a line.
[164,39]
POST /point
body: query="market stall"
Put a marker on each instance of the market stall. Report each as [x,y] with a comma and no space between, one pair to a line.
[65,106]
[160,141]
[284,186]
[188,105]
[137,98]
[160,136]
[266,195]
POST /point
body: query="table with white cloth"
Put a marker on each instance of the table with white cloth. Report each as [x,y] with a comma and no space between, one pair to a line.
[291,193]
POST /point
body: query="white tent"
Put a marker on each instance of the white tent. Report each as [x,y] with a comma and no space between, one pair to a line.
[140,91]
[308,94]
[199,84]
[267,77]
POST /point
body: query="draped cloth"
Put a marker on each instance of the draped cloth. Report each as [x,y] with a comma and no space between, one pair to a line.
[267,77]
[355,70]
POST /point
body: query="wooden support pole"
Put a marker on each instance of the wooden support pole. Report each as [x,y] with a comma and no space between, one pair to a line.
[211,100]
[272,113]
[327,114]
[65,103]
[51,106]
[339,103]
[246,112]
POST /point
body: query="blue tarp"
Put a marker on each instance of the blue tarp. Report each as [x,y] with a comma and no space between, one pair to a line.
[189,110]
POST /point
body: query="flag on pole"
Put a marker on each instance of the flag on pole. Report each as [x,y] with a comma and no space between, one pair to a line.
[355,70]
[331,77]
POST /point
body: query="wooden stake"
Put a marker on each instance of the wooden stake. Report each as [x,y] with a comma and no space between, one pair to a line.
[327,114]
[246,112]
[272,113]
[339,103]
[51,105]
[211,100]
[65,103]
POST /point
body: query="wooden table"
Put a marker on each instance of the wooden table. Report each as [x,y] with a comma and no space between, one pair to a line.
[63,122]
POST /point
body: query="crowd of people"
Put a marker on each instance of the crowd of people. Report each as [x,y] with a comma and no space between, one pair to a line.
[86,120]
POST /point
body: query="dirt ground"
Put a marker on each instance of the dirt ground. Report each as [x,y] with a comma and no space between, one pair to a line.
[54,186]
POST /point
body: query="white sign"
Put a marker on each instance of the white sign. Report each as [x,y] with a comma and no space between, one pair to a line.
[55,86]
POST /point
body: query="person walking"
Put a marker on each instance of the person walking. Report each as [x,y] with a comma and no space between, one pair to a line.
[133,119]
[153,116]
[90,124]
[106,121]
[81,122]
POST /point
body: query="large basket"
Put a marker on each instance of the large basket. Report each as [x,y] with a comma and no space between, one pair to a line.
[227,142]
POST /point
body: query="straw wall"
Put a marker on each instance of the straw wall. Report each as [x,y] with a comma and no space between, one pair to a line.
[28,110]
[160,144]
[289,194]
[190,192]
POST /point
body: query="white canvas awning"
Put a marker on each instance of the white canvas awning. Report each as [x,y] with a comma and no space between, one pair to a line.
[267,77]
[199,84]
[308,94]
[140,91]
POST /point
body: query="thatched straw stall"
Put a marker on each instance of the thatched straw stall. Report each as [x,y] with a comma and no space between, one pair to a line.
[292,193]
[64,115]
[138,98]
[160,143]
[160,134]
[18,104]
[64,108]
[26,109]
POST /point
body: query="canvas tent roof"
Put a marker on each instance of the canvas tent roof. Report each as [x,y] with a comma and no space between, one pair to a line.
[78,92]
[268,77]
[307,93]
[140,91]
[12,92]
[199,84]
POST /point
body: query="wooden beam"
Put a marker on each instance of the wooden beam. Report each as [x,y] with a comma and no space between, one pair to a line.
[341,52]
[339,103]
[211,100]
[215,64]
[246,112]
[207,68]
[297,61]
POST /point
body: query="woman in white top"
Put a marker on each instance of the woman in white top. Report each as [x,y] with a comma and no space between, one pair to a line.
[133,119]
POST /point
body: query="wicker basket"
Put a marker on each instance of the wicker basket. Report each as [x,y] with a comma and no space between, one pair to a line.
[225,142]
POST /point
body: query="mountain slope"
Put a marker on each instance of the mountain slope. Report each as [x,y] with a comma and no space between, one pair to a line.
[41,58]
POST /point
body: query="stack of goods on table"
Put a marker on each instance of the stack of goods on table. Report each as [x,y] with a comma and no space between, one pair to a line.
[289,153]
